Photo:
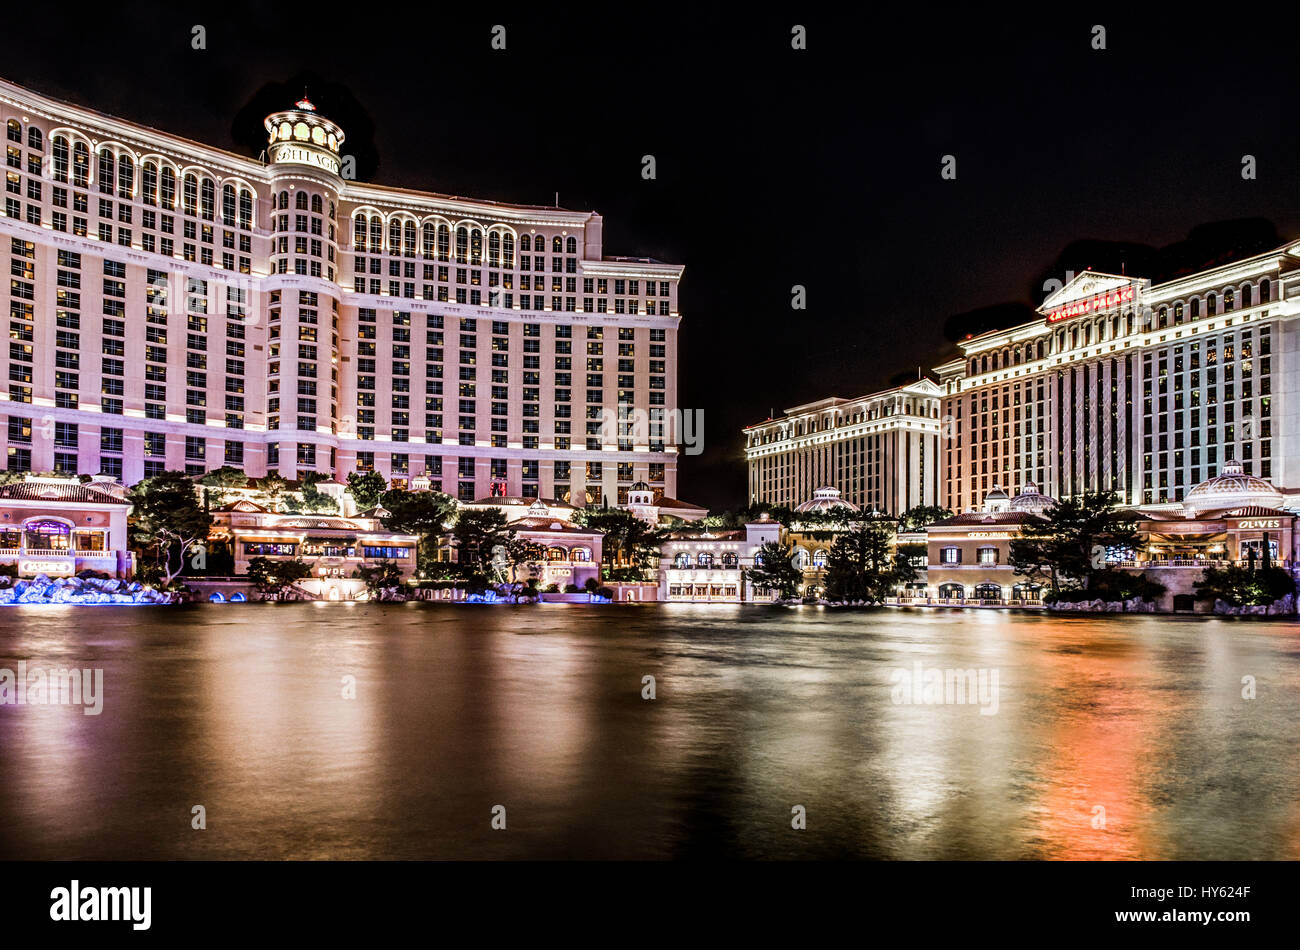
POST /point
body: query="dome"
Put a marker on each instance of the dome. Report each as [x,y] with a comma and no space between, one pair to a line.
[1032,501]
[639,486]
[825,499]
[1232,488]
[995,494]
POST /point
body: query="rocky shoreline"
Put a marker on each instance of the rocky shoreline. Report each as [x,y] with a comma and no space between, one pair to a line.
[78,591]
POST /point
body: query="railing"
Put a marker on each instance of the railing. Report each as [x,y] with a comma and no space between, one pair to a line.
[923,600]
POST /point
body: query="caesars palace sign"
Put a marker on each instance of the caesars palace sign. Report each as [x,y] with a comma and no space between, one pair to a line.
[1095,304]
[300,155]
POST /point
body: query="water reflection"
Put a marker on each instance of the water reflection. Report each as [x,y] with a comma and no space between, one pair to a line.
[1113,738]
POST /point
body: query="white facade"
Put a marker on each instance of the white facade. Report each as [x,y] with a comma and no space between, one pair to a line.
[176,307]
[880,451]
[1138,389]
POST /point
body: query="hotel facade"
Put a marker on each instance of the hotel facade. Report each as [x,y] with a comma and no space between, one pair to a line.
[1142,390]
[1120,385]
[173,306]
[881,451]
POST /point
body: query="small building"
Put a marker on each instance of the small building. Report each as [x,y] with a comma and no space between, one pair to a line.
[653,507]
[968,555]
[709,566]
[335,547]
[573,553]
[60,526]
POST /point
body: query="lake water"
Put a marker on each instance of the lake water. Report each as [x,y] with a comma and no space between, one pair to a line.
[457,709]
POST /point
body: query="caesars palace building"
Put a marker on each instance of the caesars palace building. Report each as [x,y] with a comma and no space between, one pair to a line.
[1120,386]
[177,307]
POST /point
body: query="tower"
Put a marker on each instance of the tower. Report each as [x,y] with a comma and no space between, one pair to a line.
[303,300]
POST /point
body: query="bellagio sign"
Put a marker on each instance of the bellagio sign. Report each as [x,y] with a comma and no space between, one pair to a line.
[1095,304]
[300,155]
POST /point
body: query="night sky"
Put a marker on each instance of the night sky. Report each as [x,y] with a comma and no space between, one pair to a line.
[775,167]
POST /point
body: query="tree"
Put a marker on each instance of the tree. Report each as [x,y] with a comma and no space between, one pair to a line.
[311,499]
[1069,546]
[271,576]
[421,513]
[862,567]
[167,517]
[520,551]
[477,532]
[379,577]
[273,486]
[919,517]
[365,488]
[630,546]
[1240,586]
[774,569]
[218,483]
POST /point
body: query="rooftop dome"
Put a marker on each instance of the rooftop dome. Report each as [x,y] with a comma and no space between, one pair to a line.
[639,486]
[1031,500]
[1232,488]
[825,499]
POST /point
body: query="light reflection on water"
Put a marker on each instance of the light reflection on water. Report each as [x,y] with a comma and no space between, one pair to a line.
[240,708]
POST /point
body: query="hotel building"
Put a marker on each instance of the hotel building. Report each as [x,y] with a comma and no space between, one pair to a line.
[176,306]
[881,451]
[1144,390]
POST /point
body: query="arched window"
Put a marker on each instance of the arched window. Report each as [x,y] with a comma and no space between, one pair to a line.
[444,242]
[209,199]
[331,211]
[729,560]
[525,243]
[395,237]
[557,554]
[1229,300]
[359,232]
[149,183]
[376,235]
[228,205]
[60,159]
[704,559]
[167,188]
[105,171]
[1247,292]
[245,208]
[476,247]
[190,195]
[682,561]
[1195,307]
[317,206]
[462,245]
[408,235]
[1265,288]
[300,202]
[580,554]
[125,176]
[428,240]
[34,138]
[1211,305]
[819,559]
[508,250]
[557,245]
[15,131]
[571,246]
[494,249]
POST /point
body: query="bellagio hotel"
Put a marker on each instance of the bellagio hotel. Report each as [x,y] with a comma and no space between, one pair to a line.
[176,306]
